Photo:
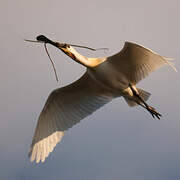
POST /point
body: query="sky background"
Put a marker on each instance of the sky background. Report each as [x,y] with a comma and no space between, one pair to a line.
[116,142]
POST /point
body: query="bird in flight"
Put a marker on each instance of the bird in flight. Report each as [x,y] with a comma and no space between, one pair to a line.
[105,79]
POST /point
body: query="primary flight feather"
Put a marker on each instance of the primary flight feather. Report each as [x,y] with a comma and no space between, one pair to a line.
[106,78]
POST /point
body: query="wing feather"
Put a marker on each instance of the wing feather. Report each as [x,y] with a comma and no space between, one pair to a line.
[64,108]
[136,62]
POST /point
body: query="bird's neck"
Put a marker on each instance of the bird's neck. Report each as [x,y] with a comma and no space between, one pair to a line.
[76,56]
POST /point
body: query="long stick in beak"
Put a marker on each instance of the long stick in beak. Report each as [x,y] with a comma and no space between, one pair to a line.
[51,62]
[43,39]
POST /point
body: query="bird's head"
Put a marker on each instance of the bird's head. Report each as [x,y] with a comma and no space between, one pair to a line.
[70,51]
[62,46]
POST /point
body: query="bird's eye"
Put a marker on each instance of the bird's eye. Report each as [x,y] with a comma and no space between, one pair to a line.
[66,45]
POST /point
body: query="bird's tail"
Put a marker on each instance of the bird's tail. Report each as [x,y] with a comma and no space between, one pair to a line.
[143,94]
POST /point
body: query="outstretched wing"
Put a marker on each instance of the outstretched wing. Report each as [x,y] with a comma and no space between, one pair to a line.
[136,61]
[64,108]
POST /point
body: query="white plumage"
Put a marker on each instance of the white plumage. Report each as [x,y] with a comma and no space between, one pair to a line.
[105,79]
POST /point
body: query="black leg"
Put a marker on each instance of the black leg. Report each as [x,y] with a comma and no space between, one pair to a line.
[150,109]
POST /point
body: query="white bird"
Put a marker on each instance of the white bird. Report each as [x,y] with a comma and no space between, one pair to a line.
[106,78]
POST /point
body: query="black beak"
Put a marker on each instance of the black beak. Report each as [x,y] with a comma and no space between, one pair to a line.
[44,39]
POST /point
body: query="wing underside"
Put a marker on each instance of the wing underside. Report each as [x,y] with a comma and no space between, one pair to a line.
[64,108]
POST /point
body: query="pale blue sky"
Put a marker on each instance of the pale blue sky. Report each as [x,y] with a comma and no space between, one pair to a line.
[116,142]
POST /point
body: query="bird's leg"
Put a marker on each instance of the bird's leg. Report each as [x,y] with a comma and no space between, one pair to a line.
[150,109]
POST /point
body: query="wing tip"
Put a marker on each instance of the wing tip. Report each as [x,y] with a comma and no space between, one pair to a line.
[36,156]
[170,63]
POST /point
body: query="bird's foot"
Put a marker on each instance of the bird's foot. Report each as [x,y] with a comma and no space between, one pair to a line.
[153,112]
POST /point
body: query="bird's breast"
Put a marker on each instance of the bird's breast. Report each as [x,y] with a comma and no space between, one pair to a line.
[109,76]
